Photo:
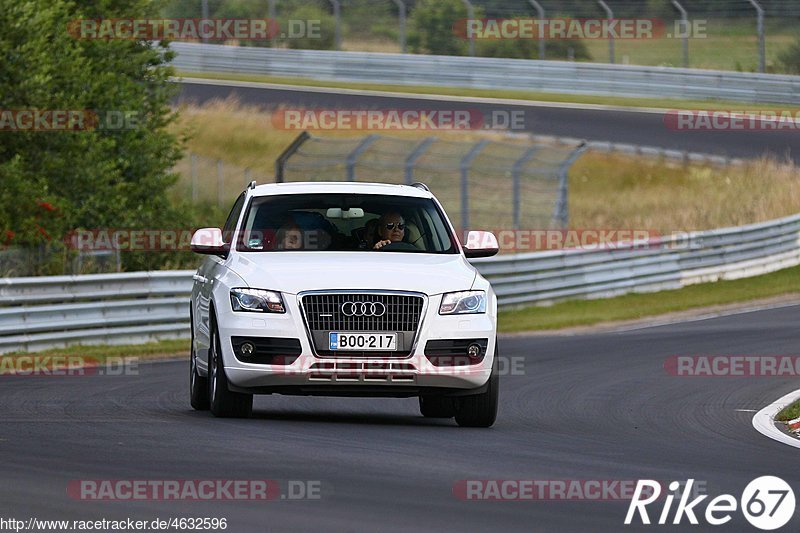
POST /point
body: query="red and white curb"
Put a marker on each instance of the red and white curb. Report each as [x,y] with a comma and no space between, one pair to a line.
[764,421]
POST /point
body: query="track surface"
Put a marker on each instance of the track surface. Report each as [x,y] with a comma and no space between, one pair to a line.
[596,406]
[645,129]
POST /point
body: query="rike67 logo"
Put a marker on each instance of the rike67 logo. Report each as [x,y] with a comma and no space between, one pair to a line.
[767,503]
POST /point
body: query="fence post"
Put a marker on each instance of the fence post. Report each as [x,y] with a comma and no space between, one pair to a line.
[220,183]
[204,15]
[609,15]
[561,214]
[280,163]
[273,23]
[515,172]
[414,156]
[762,44]
[337,12]
[193,161]
[401,11]
[685,23]
[470,16]
[352,157]
[539,13]
[466,161]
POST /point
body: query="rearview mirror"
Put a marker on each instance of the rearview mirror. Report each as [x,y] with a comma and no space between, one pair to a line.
[481,244]
[209,241]
[337,212]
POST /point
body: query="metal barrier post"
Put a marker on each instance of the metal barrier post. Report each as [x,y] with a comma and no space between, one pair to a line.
[539,13]
[414,156]
[466,161]
[470,16]
[338,21]
[561,214]
[220,183]
[515,172]
[762,45]
[609,15]
[273,20]
[401,13]
[280,163]
[352,157]
[685,22]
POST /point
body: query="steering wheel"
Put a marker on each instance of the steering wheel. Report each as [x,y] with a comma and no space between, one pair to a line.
[398,247]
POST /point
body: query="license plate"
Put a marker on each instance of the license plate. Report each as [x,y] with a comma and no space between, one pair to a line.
[363,341]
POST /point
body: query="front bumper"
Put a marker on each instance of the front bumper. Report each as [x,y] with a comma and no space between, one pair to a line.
[375,375]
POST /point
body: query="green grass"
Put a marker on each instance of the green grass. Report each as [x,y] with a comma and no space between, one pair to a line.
[633,306]
[153,350]
[659,103]
[790,412]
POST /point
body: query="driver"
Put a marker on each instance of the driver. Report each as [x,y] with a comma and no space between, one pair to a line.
[391,228]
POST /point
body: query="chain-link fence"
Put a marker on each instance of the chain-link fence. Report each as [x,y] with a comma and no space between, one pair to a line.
[747,35]
[482,184]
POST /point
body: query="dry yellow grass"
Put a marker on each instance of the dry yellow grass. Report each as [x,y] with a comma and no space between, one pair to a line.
[606,190]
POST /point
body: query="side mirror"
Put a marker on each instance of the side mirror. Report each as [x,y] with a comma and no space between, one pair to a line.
[209,241]
[481,244]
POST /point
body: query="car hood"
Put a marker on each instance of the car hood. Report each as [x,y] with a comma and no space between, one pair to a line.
[293,272]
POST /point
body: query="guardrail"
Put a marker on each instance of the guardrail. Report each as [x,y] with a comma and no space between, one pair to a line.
[39,313]
[491,73]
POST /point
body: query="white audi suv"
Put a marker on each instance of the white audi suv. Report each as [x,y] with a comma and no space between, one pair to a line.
[343,289]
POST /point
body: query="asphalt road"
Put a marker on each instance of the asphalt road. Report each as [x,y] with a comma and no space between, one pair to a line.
[647,129]
[588,407]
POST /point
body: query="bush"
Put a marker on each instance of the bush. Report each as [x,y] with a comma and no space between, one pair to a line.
[790,58]
[431,27]
[55,181]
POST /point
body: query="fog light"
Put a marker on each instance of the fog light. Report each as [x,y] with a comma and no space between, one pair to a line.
[248,348]
[474,351]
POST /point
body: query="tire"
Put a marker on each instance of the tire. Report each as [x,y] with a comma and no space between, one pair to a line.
[198,385]
[222,401]
[437,407]
[480,410]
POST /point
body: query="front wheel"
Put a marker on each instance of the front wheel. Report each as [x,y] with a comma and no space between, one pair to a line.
[198,385]
[223,401]
[480,410]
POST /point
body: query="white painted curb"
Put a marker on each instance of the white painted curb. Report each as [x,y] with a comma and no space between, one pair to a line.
[763,420]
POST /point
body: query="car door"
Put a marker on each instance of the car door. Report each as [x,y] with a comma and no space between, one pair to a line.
[213,268]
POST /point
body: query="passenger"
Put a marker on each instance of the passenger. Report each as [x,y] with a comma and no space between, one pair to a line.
[290,237]
[391,229]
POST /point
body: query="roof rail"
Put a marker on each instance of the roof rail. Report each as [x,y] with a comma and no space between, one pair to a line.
[252,185]
[420,185]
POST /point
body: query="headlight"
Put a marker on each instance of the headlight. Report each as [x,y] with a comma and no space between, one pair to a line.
[464,302]
[257,301]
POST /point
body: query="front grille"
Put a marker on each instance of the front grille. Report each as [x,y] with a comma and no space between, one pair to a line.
[324,314]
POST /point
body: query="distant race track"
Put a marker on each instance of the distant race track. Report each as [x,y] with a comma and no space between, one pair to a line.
[631,127]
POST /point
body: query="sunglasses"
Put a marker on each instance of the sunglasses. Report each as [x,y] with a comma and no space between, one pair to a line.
[391,226]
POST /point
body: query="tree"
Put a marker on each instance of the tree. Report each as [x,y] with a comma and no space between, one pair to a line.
[432,24]
[54,181]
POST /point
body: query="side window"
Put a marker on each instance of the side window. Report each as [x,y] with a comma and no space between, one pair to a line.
[233,218]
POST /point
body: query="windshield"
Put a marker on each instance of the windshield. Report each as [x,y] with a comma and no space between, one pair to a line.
[345,222]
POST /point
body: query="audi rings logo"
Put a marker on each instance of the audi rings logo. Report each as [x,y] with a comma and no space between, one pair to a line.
[363,309]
